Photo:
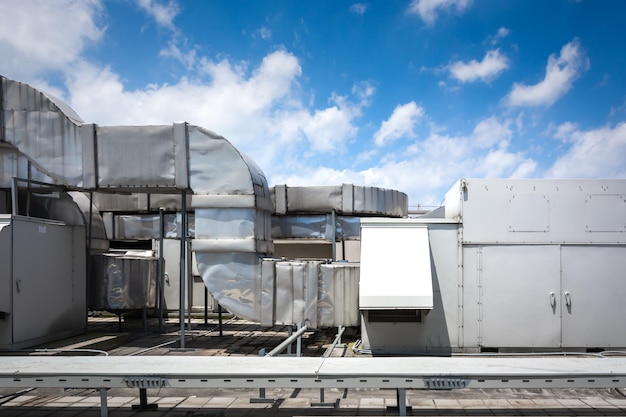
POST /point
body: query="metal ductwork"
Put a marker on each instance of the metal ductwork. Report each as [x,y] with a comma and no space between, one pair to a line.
[188,168]
[230,196]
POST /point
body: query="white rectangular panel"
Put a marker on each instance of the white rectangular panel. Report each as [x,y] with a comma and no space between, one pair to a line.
[395,265]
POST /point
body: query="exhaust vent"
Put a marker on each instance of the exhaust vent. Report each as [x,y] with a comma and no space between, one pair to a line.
[394,316]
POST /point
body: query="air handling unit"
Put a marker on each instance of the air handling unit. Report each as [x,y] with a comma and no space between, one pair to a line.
[516,265]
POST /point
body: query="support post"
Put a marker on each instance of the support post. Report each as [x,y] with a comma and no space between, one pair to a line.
[261,398]
[143,402]
[104,411]
[401,395]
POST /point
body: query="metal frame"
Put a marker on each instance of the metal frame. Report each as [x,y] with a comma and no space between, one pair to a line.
[400,373]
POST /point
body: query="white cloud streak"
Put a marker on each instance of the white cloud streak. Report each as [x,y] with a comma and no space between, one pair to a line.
[428,9]
[561,72]
[594,153]
[492,64]
[400,124]
[162,13]
[359,8]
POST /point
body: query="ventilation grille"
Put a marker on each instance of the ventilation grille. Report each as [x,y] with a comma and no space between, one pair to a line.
[394,316]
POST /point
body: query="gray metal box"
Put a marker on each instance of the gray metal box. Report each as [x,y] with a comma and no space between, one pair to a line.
[42,281]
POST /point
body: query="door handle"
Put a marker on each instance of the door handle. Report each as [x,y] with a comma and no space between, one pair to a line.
[552,299]
[568,299]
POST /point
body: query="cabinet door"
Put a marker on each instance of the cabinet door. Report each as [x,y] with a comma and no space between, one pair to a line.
[594,296]
[519,296]
[42,287]
[6,329]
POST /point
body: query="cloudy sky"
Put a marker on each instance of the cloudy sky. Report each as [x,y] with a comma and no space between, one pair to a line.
[404,94]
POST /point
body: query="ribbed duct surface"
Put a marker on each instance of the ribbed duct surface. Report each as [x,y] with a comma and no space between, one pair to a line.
[135,170]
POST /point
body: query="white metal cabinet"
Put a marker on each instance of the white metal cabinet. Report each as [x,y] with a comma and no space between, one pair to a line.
[593,298]
[519,289]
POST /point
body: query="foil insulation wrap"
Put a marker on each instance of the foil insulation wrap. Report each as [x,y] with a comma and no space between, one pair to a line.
[123,282]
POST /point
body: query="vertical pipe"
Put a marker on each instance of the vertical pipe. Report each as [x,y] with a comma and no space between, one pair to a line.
[189,278]
[333,220]
[89,235]
[28,178]
[14,196]
[299,342]
[219,318]
[183,266]
[160,278]
[206,305]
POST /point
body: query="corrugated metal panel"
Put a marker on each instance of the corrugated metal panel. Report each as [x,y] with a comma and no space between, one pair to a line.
[41,130]
[344,199]
[123,152]
[338,303]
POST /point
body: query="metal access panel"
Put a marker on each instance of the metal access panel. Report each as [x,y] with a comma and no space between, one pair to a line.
[43,282]
[593,296]
[519,288]
[395,265]
[6,327]
[539,211]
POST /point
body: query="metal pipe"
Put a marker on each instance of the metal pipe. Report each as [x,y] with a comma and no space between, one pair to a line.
[14,196]
[287,342]
[160,278]
[189,278]
[183,266]
[333,217]
[88,260]
[337,340]
[299,343]
[206,305]
[219,319]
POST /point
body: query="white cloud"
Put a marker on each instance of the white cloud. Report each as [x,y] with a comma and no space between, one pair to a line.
[327,129]
[358,8]
[400,124]
[265,33]
[500,34]
[258,110]
[489,132]
[428,9]
[489,68]
[561,72]
[426,168]
[163,14]
[187,58]
[40,36]
[596,153]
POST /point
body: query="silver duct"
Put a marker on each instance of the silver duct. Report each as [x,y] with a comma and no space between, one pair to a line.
[42,138]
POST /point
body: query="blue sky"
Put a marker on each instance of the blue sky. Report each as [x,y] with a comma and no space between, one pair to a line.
[404,94]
